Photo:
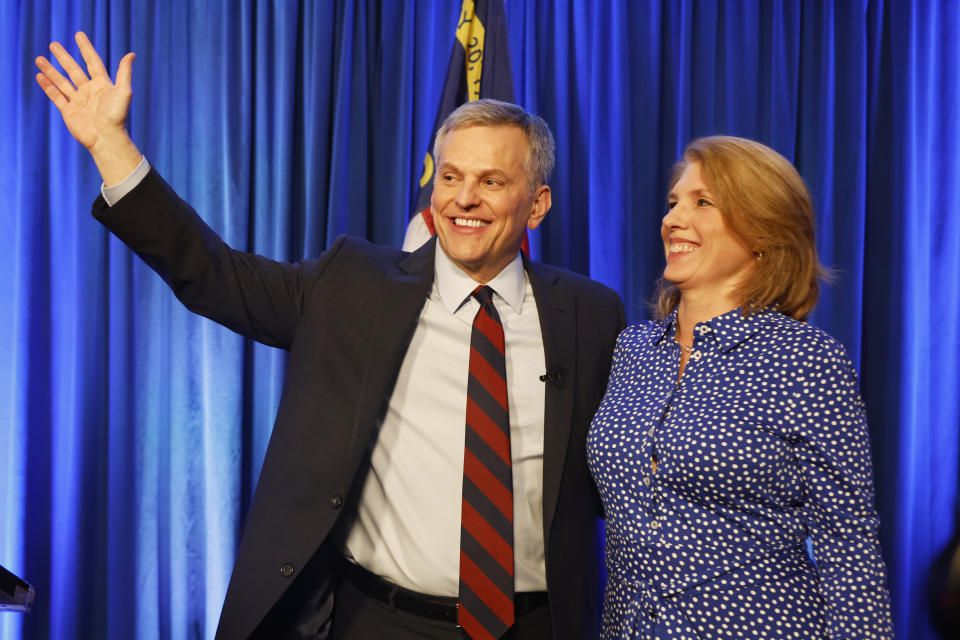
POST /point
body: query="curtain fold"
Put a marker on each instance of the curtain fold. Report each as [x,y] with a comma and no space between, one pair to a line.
[132,432]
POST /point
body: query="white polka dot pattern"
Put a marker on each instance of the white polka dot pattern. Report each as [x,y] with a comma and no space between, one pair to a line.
[762,444]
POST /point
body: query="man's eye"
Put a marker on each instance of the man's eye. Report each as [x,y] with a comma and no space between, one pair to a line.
[490,182]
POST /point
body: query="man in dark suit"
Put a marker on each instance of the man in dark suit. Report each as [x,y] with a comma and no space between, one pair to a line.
[368,492]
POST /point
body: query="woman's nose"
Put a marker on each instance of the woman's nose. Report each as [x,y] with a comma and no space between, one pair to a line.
[676,216]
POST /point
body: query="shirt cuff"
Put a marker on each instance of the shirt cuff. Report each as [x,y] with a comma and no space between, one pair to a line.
[113,194]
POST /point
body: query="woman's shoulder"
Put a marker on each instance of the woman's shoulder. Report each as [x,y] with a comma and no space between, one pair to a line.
[638,341]
[800,337]
[644,333]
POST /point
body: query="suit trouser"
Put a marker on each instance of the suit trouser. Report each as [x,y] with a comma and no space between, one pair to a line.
[359,617]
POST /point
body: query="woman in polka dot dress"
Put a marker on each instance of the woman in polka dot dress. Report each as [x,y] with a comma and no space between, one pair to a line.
[732,432]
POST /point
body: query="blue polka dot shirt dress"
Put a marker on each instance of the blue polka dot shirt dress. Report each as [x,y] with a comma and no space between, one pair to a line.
[761,445]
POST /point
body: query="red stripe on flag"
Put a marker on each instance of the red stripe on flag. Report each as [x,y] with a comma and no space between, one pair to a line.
[499,495]
[489,593]
[498,548]
[488,430]
[427,216]
[488,377]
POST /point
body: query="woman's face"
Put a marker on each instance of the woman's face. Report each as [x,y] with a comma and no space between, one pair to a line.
[703,257]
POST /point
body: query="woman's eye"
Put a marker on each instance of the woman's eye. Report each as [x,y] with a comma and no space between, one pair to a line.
[703,202]
[671,205]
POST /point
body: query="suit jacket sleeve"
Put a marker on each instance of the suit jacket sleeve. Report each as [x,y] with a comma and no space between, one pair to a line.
[259,298]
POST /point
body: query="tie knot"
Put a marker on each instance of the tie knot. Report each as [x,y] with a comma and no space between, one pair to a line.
[483,294]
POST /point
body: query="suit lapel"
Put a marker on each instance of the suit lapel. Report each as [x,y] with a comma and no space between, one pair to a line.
[557,310]
[405,289]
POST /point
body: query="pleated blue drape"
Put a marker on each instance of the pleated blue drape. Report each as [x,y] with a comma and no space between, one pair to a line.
[131,433]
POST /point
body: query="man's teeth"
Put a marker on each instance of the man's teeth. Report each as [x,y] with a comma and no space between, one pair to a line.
[464,222]
[683,248]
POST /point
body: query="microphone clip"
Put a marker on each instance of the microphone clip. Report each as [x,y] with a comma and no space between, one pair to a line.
[555,376]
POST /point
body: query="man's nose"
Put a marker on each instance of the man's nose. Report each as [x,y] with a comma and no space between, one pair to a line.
[469,195]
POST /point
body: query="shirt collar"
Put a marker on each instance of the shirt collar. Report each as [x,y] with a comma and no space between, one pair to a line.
[455,285]
[664,327]
[729,329]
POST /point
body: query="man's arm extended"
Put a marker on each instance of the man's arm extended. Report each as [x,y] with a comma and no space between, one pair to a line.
[93,108]
[254,296]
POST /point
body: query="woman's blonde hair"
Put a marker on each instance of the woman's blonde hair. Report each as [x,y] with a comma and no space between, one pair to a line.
[764,203]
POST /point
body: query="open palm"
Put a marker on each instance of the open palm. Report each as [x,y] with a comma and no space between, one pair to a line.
[93,107]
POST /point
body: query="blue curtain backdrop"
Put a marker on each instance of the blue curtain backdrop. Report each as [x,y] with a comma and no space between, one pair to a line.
[131,433]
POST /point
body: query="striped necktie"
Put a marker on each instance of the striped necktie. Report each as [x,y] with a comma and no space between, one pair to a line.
[486,529]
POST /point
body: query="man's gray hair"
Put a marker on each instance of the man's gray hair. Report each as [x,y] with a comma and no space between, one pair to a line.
[492,113]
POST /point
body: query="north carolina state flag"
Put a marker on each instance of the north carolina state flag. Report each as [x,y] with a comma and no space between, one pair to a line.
[479,68]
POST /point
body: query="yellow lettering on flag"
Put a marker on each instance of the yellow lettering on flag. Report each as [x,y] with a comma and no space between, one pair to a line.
[472,35]
[427,170]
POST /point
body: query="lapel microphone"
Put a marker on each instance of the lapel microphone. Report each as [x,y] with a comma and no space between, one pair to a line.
[555,376]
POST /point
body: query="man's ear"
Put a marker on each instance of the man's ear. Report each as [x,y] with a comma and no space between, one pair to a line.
[542,200]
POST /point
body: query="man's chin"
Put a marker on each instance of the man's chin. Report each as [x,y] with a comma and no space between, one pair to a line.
[462,254]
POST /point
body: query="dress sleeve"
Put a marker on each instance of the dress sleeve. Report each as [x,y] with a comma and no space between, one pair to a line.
[834,455]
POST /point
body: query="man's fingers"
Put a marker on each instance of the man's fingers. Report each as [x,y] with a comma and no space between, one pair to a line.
[125,71]
[77,76]
[90,56]
[55,77]
[57,98]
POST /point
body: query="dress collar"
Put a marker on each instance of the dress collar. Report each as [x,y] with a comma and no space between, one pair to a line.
[728,329]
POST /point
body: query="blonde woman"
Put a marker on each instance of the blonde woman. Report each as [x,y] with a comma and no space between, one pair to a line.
[732,431]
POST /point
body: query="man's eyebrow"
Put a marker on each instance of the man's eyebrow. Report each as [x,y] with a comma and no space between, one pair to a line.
[482,171]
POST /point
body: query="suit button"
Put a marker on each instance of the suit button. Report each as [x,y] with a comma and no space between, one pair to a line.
[336,501]
[286,569]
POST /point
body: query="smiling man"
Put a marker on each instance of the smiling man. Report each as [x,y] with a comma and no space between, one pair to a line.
[426,475]
[484,194]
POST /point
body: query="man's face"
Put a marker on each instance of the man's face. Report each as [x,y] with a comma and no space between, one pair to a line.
[481,198]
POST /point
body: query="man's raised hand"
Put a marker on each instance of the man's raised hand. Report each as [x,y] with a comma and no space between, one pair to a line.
[93,108]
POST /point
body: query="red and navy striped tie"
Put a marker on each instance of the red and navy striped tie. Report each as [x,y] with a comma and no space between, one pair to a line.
[486,526]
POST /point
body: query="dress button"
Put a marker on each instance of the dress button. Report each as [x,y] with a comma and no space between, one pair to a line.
[646,480]
[650,433]
[654,524]
[336,501]
[696,355]
[286,569]
[703,329]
